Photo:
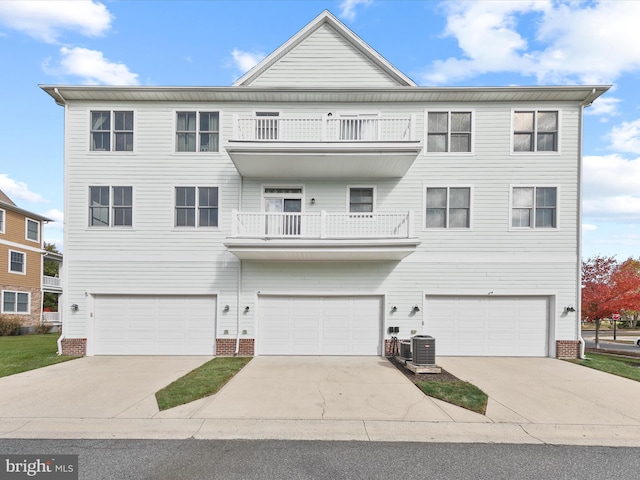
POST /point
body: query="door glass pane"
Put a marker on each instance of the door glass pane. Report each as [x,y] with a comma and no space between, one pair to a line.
[292,205]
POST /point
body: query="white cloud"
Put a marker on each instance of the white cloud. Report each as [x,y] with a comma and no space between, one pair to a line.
[348,8]
[92,67]
[46,19]
[611,188]
[604,106]
[586,227]
[579,41]
[245,61]
[626,137]
[17,191]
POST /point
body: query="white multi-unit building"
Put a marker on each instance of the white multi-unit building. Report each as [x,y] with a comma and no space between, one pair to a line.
[322,205]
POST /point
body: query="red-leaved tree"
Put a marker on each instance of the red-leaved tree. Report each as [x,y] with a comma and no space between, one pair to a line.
[608,287]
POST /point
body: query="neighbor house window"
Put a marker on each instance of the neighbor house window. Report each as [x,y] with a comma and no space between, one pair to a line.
[197,131]
[110,206]
[449,132]
[360,199]
[196,207]
[17,262]
[33,230]
[534,207]
[15,302]
[111,131]
[535,131]
[2,220]
[448,207]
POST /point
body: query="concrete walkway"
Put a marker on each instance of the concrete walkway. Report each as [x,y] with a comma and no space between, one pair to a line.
[536,400]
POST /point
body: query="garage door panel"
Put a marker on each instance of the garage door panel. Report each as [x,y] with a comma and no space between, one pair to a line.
[320,325]
[496,326]
[154,325]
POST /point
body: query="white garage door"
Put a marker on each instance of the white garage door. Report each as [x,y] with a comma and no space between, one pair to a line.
[488,326]
[154,325]
[319,325]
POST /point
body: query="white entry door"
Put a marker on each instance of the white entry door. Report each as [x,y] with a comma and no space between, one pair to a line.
[320,325]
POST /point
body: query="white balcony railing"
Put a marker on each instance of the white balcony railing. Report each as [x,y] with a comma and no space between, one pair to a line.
[52,282]
[51,317]
[324,129]
[322,225]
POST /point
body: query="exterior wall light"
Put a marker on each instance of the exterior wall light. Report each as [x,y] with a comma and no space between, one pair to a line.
[394,309]
[570,309]
[74,307]
[226,308]
[246,309]
[416,309]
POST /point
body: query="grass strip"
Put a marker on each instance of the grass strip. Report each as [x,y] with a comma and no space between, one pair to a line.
[28,352]
[622,366]
[205,380]
[462,394]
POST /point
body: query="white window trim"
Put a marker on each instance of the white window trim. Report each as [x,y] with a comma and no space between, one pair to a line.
[448,187]
[26,229]
[536,110]
[3,213]
[28,312]
[348,198]
[174,126]
[472,142]
[111,226]
[197,227]
[533,220]
[24,264]
[111,110]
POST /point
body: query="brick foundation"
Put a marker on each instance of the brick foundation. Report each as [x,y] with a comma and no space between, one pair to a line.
[567,349]
[76,347]
[226,347]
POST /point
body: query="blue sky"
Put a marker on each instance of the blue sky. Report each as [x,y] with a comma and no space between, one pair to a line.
[451,43]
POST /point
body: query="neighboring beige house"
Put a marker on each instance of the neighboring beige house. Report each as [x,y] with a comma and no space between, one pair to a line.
[323,204]
[21,256]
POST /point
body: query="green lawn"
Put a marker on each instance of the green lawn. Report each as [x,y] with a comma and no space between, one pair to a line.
[459,393]
[28,352]
[201,382]
[622,366]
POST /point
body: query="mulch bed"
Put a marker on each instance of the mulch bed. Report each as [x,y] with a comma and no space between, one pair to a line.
[443,376]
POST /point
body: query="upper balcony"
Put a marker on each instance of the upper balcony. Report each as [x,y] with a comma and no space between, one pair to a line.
[323,146]
[51,284]
[322,236]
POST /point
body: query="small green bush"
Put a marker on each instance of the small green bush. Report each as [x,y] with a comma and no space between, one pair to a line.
[43,328]
[9,326]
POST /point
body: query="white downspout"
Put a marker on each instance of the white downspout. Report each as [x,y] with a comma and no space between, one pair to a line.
[581,342]
[239,285]
[65,105]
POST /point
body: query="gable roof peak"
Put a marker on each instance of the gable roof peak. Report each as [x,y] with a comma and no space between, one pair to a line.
[326,18]
[4,198]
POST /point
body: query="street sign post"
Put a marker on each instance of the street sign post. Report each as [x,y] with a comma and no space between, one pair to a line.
[615,317]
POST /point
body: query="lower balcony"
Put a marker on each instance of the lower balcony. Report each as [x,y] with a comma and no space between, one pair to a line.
[322,236]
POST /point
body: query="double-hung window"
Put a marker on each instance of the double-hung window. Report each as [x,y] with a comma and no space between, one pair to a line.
[32,230]
[110,206]
[17,262]
[111,131]
[2,220]
[197,131]
[535,131]
[449,132]
[360,199]
[15,302]
[534,207]
[196,207]
[448,207]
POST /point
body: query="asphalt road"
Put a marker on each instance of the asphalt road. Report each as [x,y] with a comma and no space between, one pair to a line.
[249,460]
[589,339]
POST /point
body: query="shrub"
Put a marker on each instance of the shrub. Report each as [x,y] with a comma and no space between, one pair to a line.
[9,326]
[43,328]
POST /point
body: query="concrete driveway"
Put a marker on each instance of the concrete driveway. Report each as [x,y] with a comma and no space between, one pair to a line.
[548,391]
[92,387]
